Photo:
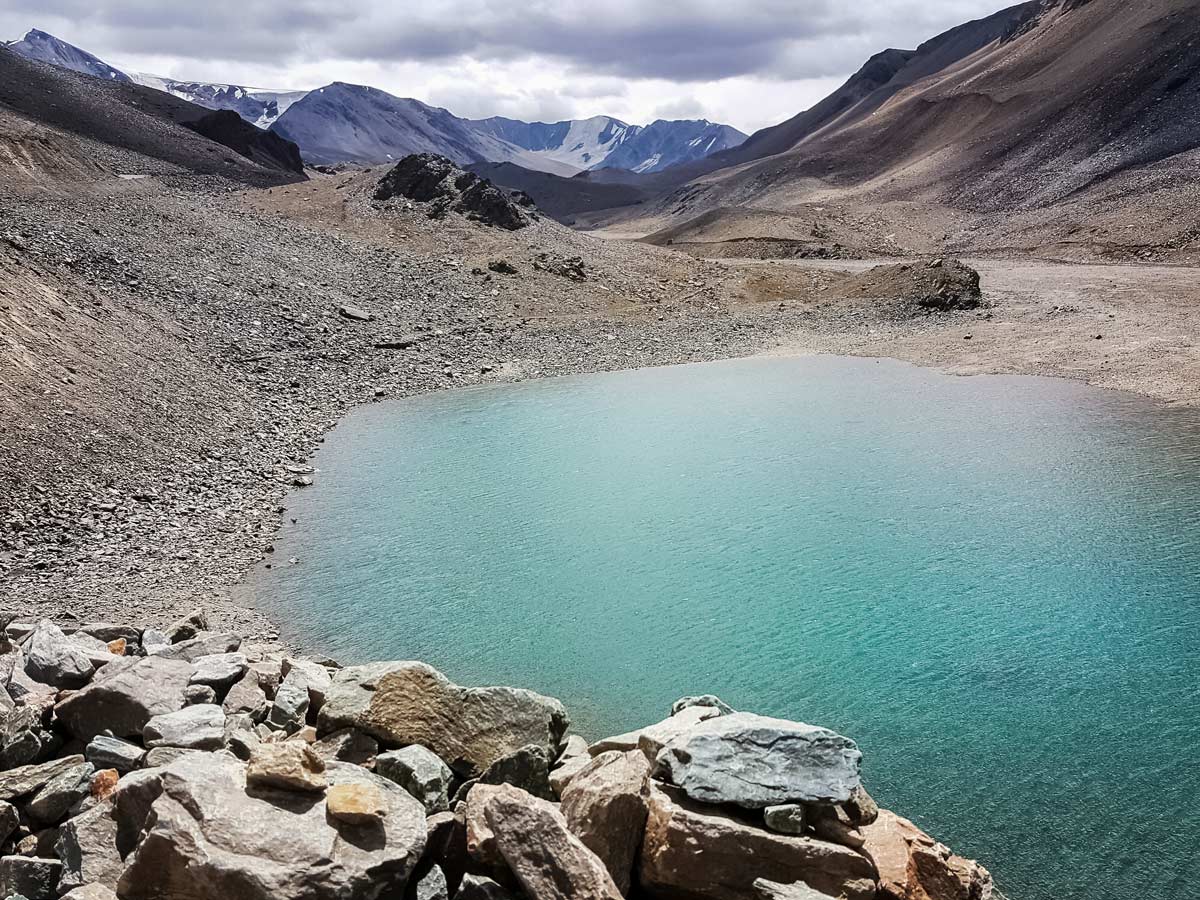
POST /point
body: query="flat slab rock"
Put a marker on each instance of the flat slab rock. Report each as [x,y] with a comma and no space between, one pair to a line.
[210,836]
[402,703]
[126,699]
[755,761]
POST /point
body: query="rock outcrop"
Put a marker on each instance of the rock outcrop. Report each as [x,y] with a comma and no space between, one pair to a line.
[211,771]
[435,180]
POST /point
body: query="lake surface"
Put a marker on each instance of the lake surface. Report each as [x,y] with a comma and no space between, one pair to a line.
[991,583]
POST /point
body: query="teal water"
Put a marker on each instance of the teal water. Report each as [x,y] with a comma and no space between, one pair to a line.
[992,583]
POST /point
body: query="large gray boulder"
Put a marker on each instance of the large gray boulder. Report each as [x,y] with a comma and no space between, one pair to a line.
[402,703]
[210,836]
[420,772]
[54,659]
[206,643]
[51,804]
[105,752]
[29,877]
[87,848]
[755,761]
[220,670]
[200,727]
[25,780]
[125,700]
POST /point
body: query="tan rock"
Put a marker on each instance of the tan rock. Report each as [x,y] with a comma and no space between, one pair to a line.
[292,765]
[356,804]
[547,859]
[117,647]
[861,808]
[402,703]
[605,806]
[680,832]
[831,823]
[913,866]
[104,783]
[481,841]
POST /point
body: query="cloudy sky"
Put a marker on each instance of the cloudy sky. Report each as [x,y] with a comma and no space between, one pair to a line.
[749,63]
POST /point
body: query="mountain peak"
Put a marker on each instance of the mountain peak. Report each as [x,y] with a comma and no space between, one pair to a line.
[42,46]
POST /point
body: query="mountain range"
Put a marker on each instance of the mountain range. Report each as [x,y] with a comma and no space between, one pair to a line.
[360,124]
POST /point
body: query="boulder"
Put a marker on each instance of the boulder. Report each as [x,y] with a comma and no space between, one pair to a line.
[574,758]
[913,866]
[420,772]
[291,766]
[29,877]
[25,780]
[200,695]
[861,808]
[709,701]
[755,761]
[106,752]
[54,659]
[787,818]
[429,886]
[9,820]
[480,839]
[208,836]
[188,627]
[356,804]
[428,178]
[247,696]
[289,711]
[314,676]
[97,651]
[349,745]
[831,823]
[736,853]
[402,703]
[527,768]
[605,806]
[124,701]
[20,736]
[51,804]
[548,860]
[200,727]
[205,643]
[220,670]
[87,848]
[652,738]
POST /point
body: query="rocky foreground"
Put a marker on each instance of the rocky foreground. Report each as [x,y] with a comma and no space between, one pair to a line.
[143,764]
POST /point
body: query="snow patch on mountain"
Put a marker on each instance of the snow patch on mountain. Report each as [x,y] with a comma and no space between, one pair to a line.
[258,106]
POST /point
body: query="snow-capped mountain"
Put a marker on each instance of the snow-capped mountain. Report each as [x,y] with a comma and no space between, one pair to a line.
[604,142]
[257,106]
[661,144]
[354,123]
[581,143]
[43,47]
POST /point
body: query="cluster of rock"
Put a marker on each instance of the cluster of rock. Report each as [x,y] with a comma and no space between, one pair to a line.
[432,179]
[142,764]
[939,284]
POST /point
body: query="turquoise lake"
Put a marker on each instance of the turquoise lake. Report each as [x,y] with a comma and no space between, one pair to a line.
[991,583]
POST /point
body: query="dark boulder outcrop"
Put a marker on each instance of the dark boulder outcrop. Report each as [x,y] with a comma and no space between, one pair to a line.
[432,179]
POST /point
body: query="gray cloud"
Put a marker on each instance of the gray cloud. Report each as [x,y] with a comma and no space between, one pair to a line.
[684,41]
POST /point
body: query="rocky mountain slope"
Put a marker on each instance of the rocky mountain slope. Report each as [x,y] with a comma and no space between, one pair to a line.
[354,123]
[126,116]
[1003,133]
[43,47]
[604,142]
[564,199]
